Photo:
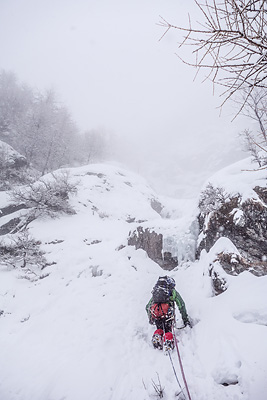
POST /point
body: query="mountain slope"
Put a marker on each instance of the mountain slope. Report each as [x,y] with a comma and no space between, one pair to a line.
[82,332]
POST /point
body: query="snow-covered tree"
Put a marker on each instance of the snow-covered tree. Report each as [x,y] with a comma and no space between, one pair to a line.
[212,198]
[41,128]
[47,196]
[15,100]
[36,125]
[21,250]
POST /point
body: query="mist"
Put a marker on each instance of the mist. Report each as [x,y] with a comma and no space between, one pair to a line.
[109,67]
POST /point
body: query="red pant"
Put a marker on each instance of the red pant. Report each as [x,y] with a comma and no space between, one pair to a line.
[166,336]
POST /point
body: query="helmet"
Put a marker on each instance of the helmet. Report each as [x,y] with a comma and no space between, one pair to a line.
[171,282]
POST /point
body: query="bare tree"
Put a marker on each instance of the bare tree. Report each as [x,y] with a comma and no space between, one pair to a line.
[256,141]
[256,109]
[252,147]
[230,42]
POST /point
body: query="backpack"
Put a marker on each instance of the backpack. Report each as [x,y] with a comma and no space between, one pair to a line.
[161,292]
[159,310]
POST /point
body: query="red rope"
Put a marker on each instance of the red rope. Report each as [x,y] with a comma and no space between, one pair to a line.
[181,366]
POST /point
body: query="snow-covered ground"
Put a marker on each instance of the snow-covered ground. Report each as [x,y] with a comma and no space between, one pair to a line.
[240,177]
[82,332]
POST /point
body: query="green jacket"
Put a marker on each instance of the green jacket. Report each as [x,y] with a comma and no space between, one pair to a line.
[174,298]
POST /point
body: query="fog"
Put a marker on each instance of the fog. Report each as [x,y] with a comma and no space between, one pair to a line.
[105,61]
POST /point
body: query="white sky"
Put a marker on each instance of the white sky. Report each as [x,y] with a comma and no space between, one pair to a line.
[105,61]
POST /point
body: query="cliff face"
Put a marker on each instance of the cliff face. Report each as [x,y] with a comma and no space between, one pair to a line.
[233,206]
[168,242]
[245,224]
[152,242]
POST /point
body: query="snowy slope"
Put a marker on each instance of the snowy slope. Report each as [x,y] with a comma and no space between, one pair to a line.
[82,332]
[240,177]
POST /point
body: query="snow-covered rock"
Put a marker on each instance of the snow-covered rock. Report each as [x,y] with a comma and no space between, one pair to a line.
[14,168]
[10,158]
[168,242]
[114,193]
[240,216]
[104,191]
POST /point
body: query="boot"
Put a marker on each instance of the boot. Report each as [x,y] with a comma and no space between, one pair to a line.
[168,345]
[157,341]
[168,342]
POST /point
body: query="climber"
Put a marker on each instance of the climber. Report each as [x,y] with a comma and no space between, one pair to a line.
[161,312]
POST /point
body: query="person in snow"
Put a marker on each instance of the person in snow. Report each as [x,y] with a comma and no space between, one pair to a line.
[160,310]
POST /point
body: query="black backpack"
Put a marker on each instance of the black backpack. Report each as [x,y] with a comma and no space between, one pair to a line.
[161,292]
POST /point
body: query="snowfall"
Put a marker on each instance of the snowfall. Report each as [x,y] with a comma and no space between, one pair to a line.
[82,333]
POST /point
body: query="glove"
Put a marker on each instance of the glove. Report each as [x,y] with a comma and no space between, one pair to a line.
[188,323]
[151,321]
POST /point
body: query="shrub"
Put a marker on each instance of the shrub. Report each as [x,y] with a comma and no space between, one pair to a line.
[21,250]
[46,196]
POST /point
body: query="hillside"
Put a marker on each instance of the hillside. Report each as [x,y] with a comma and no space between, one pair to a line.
[80,331]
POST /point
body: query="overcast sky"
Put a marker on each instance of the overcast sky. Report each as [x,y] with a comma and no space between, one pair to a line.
[105,61]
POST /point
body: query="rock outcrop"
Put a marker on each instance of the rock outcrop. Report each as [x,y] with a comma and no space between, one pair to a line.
[245,224]
[10,158]
[12,167]
[152,242]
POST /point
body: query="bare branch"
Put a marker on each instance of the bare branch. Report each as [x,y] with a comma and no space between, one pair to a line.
[231,42]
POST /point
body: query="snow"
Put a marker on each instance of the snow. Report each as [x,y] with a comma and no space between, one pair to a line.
[10,155]
[238,217]
[82,332]
[240,178]
[4,199]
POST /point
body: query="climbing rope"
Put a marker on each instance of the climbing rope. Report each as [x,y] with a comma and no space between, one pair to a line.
[182,390]
[181,366]
[174,370]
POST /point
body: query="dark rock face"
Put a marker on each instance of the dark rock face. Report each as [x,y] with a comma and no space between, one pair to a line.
[13,223]
[156,205]
[149,241]
[220,223]
[234,264]
[245,224]
[11,209]
[219,283]
[18,162]
[152,243]
[262,193]
[9,226]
